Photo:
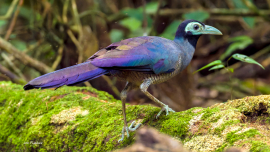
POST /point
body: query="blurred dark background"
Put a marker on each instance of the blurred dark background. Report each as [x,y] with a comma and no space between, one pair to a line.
[40,36]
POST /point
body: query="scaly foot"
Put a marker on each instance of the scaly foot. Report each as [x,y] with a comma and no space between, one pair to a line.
[130,128]
[165,108]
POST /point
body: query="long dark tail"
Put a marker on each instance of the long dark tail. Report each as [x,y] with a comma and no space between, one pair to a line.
[67,76]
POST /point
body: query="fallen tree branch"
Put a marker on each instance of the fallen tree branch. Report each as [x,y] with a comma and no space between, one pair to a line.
[214,11]
[92,121]
[24,58]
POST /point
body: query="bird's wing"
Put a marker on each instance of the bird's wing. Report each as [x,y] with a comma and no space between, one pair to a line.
[152,54]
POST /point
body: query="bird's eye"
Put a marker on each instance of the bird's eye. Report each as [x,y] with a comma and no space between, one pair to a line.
[196,27]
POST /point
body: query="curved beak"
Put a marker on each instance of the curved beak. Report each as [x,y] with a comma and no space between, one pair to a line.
[210,30]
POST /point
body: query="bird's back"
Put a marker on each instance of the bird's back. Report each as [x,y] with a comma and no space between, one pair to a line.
[162,59]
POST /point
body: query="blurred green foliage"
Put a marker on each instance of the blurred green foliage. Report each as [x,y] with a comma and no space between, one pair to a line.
[219,65]
[197,15]
[116,35]
[41,28]
[238,43]
[20,45]
[250,21]
[246,59]
[169,32]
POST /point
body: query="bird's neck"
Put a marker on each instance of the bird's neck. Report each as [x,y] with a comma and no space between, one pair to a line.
[188,45]
[186,40]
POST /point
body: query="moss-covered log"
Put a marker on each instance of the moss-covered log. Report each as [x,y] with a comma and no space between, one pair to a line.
[84,119]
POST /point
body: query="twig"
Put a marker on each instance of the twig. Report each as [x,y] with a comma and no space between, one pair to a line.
[213,11]
[88,84]
[64,14]
[110,83]
[239,19]
[252,7]
[155,19]
[79,26]
[112,6]
[9,31]
[74,40]
[268,2]
[18,72]
[236,65]
[10,75]
[93,12]
[58,58]
[10,10]
[145,24]
[47,7]
[13,21]
[195,3]
[230,19]
[24,58]
[30,48]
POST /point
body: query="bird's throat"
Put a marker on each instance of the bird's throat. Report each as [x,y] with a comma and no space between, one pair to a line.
[188,46]
[191,39]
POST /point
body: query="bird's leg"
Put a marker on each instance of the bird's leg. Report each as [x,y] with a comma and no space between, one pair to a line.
[123,97]
[144,86]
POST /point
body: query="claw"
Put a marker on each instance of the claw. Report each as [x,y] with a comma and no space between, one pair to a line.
[135,128]
[165,108]
[123,133]
[130,128]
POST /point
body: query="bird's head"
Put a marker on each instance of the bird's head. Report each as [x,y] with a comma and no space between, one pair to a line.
[192,30]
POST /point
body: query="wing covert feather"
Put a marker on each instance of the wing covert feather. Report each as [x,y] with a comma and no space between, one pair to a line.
[152,52]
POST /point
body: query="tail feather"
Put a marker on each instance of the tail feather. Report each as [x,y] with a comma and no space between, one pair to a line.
[67,76]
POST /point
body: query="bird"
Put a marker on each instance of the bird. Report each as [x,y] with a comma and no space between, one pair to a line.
[140,61]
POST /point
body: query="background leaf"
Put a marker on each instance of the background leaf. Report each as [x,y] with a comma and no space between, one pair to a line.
[217,62]
[131,23]
[240,43]
[134,13]
[138,14]
[21,45]
[3,22]
[151,7]
[250,21]
[231,69]
[217,67]
[245,58]
[116,35]
[170,31]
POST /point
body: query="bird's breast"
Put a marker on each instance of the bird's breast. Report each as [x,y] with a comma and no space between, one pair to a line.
[139,77]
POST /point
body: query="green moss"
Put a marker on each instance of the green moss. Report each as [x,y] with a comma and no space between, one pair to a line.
[235,135]
[27,116]
[226,124]
[179,129]
[221,148]
[33,116]
[84,119]
[208,112]
[258,146]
